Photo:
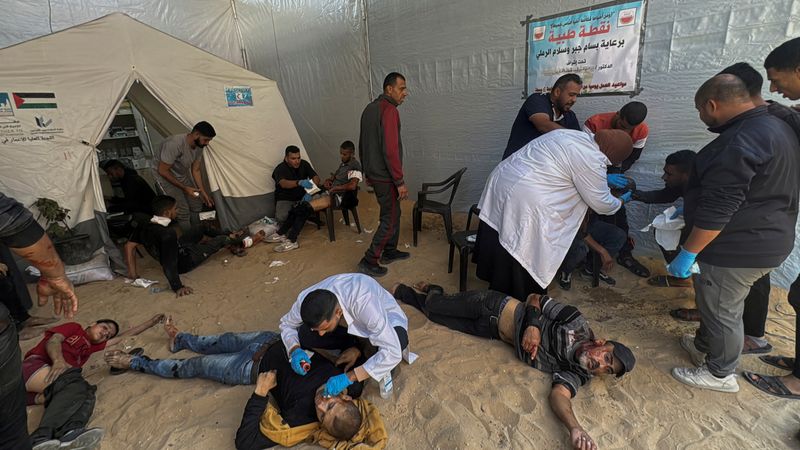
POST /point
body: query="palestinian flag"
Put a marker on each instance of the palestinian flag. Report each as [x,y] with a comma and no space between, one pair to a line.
[35,100]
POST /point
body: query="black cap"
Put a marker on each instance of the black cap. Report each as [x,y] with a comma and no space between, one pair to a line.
[625,356]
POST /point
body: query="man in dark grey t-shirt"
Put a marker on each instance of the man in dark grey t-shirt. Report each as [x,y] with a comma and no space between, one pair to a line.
[179,174]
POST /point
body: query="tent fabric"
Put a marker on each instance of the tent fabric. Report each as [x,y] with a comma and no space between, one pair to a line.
[86,71]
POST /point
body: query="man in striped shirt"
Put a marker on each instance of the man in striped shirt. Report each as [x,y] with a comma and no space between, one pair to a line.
[548,335]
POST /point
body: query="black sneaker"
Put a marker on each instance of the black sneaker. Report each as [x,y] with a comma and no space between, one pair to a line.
[371,269]
[565,280]
[603,277]
[82,439]
[394,255]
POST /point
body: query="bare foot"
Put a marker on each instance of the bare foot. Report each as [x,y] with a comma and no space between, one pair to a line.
[172,331]
[35,321]
[118,359]
[422,286]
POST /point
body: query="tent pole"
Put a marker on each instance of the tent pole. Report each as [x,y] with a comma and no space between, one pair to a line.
[245,62]
[365,20]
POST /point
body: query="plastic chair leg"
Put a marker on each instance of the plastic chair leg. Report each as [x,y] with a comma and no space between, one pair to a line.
[355,217]
[329,219]
[462,269]
[450,259]
[595,269]
[448,225]
[346,217]
[416,224]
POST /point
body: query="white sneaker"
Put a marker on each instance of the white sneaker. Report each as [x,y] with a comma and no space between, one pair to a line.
[286,246]
[698,357]
[275,237]
[701,377]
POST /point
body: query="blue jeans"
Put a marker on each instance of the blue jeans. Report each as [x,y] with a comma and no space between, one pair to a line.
[227,358]
[611,237]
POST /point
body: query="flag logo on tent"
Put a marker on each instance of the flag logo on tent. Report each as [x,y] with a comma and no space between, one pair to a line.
[35,100]
[5,105]
[239,96]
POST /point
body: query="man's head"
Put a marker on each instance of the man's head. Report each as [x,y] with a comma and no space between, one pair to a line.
[752,80]
[565,91]
[394,87]
[292,156]
[783,69]
[320,311]
[615,144]
[346,151]
[102,330]
[165,206]
[338,415]
[722,98]
[601,357]
[677,168]
[629,116]
[114,169]
[201,134]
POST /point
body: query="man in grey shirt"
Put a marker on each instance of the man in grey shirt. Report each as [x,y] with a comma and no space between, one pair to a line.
[179,174]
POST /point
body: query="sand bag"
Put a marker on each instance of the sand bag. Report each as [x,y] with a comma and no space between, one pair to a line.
[96,269]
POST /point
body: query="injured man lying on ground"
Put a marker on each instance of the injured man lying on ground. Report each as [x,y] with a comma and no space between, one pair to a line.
[548,335]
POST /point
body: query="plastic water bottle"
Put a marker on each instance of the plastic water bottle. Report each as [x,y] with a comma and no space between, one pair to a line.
[156,289]
[386,385]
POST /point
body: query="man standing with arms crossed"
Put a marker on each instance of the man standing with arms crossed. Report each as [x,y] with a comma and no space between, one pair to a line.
[381,152]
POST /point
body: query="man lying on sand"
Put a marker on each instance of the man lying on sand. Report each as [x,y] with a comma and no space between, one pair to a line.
[547,335]
[260,358]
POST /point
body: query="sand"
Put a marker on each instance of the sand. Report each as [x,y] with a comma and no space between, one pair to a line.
[463,392]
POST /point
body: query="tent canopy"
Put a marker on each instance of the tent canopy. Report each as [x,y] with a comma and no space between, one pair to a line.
[60,93]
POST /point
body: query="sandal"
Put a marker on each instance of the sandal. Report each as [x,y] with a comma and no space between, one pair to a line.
[138,351]
[769,385]
[669,281]
[755,349]
[633,265]
[781,362]
[686,314]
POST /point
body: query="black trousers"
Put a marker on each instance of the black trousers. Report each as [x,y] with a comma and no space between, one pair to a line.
[192,255]
[69,403]
[499,268]
[794,300]
[296,220]
[13,416]
[471,312]
[620,220]
[13,290]
[388,232]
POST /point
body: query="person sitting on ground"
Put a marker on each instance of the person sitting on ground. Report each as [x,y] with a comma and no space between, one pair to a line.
[177,251]
[630,119]
[52,376]
[677,168]
[340,190]
[292,177]
[547,335]
[137,193]
[602,238]
[349,303]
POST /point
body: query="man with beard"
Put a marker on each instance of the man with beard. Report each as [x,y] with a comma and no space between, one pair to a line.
[546,112]
[547,335]
[179,175]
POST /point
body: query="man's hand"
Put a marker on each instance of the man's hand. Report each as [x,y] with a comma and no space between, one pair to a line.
[191,192]
[265,382]
[207,200]
[307,198]
[3,269]
[681,266]
[606,261]
[305,184]
[186,290]
[297,359]
[581,440]
[678,212]
[626,197]
[336,385]
[531,340]
[62,292]
[348,358]
[617,180]
[402,192]
[328,184]
[56,370]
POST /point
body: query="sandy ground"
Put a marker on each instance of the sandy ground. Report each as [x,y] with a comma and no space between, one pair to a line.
[463,392]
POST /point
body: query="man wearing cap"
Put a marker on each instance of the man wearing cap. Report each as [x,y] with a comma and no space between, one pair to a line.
[548,335]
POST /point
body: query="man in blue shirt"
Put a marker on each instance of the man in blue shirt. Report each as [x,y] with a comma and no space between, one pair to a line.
[546,112]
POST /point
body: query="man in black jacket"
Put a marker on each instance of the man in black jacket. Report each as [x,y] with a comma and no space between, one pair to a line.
[137,193]
[741,211]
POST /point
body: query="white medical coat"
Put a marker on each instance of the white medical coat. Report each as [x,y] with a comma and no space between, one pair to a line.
[537,198]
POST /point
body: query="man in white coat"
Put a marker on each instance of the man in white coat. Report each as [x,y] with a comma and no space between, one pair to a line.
[534,202]
[347,304]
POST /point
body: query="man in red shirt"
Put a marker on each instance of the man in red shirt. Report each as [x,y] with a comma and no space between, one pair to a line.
[629,119]
[52,375]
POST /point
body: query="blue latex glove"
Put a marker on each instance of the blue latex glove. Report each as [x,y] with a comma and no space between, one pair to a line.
[681,266]
[617,180]
[307,198]
[678,212]
[297,358]
[336,385]
[626,197]
[306,184]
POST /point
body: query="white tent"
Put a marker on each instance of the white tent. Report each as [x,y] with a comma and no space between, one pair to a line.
[60,92]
